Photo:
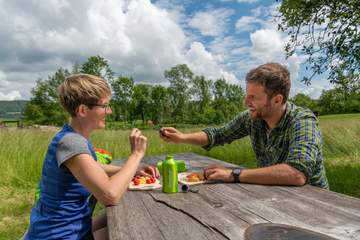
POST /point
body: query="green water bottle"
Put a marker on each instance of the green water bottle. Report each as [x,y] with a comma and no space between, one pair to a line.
[169,175]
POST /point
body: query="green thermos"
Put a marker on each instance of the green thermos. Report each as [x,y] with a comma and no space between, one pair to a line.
[169,175]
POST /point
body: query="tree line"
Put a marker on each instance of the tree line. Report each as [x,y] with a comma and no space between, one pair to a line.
[188,99]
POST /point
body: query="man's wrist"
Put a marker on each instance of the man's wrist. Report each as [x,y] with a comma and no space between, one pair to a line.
[236,175]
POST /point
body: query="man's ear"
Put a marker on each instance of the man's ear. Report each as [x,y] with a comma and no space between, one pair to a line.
[278,99]
[82,110]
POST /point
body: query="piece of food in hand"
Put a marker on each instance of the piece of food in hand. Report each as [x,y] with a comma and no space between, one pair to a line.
[195,177]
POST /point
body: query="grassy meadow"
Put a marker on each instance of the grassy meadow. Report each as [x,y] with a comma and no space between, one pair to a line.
[22,152]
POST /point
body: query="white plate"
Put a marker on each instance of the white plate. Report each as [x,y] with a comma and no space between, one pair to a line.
[151,186]
[182,179]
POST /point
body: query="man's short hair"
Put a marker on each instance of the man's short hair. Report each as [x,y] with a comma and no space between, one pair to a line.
[80,89]
[274,77]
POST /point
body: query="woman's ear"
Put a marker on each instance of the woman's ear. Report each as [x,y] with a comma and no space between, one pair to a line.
[82,110]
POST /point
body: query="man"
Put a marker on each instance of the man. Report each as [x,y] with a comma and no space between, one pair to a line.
[286,139]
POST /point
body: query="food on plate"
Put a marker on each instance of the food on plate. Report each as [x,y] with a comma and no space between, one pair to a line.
[144,180]
[195,177]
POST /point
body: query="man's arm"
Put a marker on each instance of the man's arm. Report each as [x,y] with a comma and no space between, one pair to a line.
[170,134]
[280,174]
[210,137]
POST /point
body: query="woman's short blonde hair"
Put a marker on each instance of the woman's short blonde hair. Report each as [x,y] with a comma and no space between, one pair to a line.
[80,89]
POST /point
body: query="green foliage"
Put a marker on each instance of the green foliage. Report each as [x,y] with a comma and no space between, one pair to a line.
[303,100]
[325,31]
[160,104]
[141,101]
[44,106]
[123,91]
[98,66]
[180,78]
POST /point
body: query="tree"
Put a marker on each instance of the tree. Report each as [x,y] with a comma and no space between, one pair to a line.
[44,106]
[123,90]
[326,31]
[98,66]
[180,78]
[303,100]
[200,91]
[141,101]
[159,104]
[331,102]
[347,82]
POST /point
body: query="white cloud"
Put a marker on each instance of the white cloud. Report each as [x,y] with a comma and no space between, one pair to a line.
[10,96]
[3,82]
[211,23]
[267,44]
[314,91]
[247,1]
[204,63]
[241,1]
[247,23]
[137,37]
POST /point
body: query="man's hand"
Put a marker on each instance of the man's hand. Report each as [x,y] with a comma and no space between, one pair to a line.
[170,134]
[216,172]
[149,171]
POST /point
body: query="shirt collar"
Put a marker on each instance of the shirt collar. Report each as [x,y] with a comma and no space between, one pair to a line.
[285,117]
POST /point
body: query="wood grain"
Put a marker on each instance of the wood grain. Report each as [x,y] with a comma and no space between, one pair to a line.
[224,211]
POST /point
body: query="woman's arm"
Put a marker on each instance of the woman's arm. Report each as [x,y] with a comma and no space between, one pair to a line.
[108,190]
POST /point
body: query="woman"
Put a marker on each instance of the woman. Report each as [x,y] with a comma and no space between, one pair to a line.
[70,170]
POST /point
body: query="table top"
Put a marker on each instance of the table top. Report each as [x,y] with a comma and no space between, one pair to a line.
[225,211]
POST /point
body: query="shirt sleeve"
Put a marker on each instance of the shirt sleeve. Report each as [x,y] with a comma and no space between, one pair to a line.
[304,146]
[70,145]
[237,128]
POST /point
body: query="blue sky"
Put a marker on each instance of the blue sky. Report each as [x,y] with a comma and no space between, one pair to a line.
[142,38]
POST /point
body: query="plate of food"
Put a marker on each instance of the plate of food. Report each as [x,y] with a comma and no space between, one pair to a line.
[191,178]
[144,183]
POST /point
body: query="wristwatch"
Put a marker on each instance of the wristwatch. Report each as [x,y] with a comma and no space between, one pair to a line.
[236,174]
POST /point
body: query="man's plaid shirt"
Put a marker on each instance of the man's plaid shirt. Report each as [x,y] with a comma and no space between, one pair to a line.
[296,141]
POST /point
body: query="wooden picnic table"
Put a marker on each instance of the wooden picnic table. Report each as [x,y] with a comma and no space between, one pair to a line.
[225,211]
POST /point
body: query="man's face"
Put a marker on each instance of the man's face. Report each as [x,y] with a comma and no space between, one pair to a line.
[257,101]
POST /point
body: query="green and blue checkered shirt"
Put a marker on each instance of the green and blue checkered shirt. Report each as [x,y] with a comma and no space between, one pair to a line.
[296,141]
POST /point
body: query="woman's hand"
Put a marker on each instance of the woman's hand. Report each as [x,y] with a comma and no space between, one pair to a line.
[138,142]
[149,171]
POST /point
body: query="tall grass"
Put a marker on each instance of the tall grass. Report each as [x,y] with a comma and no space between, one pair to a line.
[22,152]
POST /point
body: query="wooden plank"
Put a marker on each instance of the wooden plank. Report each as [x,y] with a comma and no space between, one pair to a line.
[140,217]
[277,206]
[125,219]
[210,211]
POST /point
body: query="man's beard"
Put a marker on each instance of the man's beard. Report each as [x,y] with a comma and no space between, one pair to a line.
[261,113]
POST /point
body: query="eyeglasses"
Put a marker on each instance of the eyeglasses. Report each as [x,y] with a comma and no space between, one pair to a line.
[106,107]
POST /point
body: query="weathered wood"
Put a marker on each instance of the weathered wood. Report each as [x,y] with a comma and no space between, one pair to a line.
[224,211]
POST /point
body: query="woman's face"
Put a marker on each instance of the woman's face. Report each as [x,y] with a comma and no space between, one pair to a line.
[98,113]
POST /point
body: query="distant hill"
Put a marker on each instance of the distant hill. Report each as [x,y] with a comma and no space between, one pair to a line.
[12,109]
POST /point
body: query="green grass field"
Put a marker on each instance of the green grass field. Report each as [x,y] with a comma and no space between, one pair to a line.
[22,152]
